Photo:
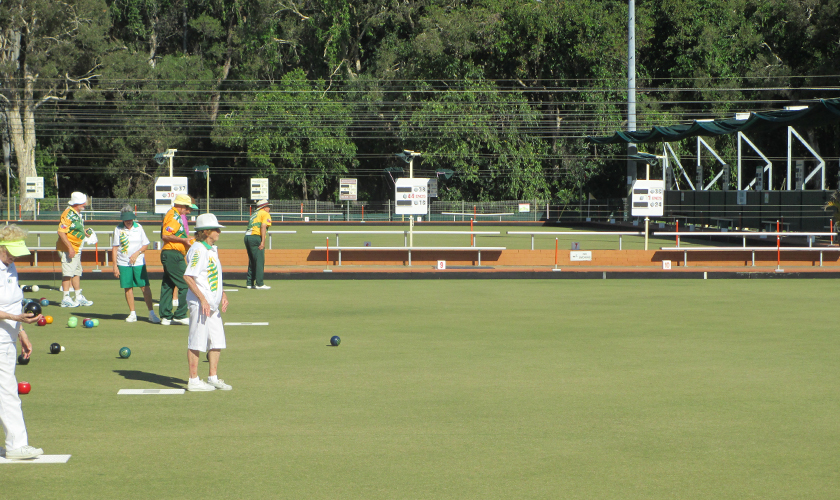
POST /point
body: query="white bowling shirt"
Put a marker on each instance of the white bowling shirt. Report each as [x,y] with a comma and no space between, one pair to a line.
[129,241]
[10,299]
[204,266]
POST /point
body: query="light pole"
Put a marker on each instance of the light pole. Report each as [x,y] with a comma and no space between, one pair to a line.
[408,156]
[205,169]
[169,153]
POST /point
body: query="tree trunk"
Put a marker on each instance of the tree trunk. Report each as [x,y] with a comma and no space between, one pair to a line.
[214,110]
[22,132]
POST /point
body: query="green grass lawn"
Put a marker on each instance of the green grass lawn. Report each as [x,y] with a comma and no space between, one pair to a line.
[460,389]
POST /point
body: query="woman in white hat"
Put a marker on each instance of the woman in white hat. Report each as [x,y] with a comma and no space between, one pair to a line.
[11,329]
[130,243]
[255,245]
[207,300]
[71,232]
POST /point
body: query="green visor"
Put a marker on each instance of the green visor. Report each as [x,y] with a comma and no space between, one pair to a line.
[127,216]
[15,248]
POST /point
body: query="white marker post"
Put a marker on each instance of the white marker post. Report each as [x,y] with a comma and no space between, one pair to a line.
[648,199]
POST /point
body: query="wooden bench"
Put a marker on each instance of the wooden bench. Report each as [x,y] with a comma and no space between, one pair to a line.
[753,250]
[478,250]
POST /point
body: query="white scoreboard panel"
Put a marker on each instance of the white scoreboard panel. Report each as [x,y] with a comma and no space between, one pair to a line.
[166,189]
[412,196]
[648,198]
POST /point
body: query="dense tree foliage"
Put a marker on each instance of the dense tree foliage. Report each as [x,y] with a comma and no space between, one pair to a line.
[501,93]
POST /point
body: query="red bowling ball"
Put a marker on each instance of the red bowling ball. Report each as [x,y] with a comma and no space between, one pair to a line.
[24,387]
[42,321]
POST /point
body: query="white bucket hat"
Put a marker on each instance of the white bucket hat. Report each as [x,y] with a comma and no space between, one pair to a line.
[77,198]
[207,221]
[263,203]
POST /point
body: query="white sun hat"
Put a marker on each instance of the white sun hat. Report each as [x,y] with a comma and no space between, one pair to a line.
[207,221]
[77,198]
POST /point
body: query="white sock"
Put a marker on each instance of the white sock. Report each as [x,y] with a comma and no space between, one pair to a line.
[66,295]
[194,380]
[133,313]
[78,293]
[213,378]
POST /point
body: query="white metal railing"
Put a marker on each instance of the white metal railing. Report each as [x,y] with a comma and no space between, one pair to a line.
[620,234]
[406,234]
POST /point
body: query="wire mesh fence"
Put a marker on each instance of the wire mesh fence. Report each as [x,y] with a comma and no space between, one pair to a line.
[802,214]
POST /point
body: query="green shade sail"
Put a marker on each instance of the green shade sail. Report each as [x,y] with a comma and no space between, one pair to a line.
[824,112]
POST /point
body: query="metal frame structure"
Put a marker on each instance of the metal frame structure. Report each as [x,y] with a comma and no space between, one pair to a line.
[711,183]
[768,167]
[820,167]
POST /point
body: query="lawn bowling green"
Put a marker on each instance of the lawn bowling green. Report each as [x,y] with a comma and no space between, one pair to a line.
[472,389]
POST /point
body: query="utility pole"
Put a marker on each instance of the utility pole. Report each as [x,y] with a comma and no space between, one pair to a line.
[631,93]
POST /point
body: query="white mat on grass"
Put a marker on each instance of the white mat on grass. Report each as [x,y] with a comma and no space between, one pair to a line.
[43,459]
[151,391]
[246,324]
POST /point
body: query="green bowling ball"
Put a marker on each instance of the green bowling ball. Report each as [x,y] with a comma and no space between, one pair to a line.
[73,322]
[95,322]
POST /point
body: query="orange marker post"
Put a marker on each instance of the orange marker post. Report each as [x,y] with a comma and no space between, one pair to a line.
[555,252]
[328,251]
[678,230]
[778,247]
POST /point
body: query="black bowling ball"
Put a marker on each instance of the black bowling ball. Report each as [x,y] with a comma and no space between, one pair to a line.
[55,348]
[22,360]
[32,307]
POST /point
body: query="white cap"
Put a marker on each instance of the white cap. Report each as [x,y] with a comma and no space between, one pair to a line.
[207,221]
[77,198]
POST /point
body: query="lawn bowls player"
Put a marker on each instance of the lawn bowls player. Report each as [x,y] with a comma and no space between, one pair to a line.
[130,243]
[175,233]
[255,245]
[71,232]
[207,300]
[11,318]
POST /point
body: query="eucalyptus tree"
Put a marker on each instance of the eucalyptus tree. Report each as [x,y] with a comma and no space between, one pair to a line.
[48,50]
[296,132]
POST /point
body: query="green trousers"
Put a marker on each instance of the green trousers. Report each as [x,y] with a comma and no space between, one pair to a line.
[174,265]
[256,260]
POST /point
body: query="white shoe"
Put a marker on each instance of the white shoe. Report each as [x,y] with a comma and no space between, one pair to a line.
[164,322]
[153,317]
[220,384]
[83,301]
[200,386]
[182,321]
[132,318]
[69,302]
[24,453]
[264,287]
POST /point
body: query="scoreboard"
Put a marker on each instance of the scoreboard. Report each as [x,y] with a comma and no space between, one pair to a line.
[648,198]
[411,196]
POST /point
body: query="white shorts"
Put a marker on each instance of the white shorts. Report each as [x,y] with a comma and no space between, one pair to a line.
[206,332]
[71,267]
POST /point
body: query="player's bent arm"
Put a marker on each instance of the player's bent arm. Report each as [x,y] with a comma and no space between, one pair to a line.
[175,239]
[23,317]
[205,306]
[71,252]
